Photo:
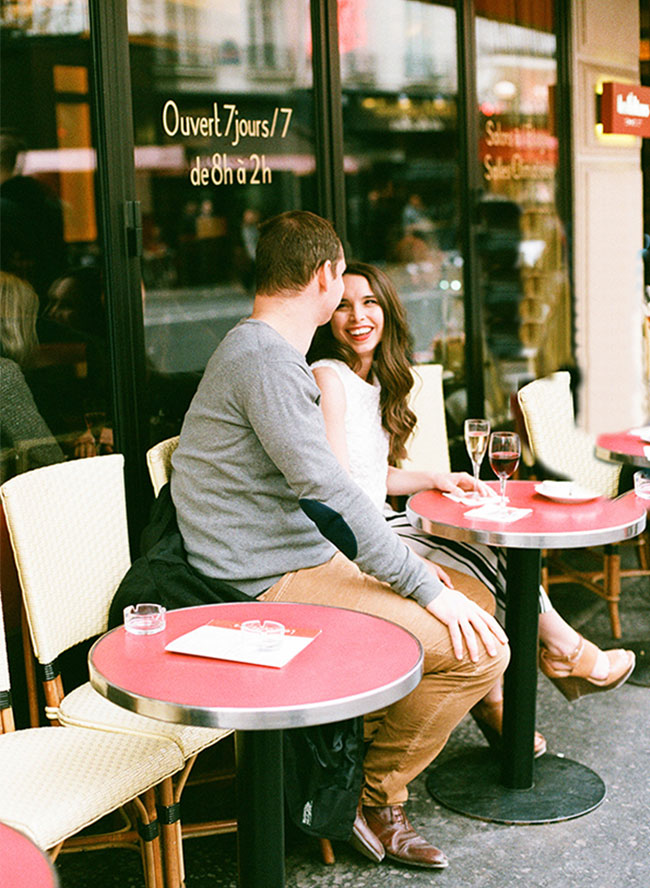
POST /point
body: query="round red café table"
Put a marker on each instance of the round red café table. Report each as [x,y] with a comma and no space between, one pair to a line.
[623,447]
[24,864]
[519,788]
[357,664]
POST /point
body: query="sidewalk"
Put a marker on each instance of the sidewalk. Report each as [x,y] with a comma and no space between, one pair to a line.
[608,848]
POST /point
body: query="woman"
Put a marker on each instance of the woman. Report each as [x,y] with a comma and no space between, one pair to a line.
[22,429]
[361,366]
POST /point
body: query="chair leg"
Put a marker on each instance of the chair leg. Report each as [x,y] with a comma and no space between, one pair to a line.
[169,820]
[612,587]
[30,672]
[327,852]
[149,839]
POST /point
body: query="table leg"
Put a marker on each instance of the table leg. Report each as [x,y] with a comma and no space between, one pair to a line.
[520,679]
[260,809]
[515,787]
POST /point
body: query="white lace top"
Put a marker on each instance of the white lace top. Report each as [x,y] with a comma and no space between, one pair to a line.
[367,440]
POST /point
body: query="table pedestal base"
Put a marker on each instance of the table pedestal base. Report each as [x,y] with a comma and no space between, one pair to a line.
[469,783]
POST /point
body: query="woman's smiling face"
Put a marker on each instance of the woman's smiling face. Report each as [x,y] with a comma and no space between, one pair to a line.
[358,321]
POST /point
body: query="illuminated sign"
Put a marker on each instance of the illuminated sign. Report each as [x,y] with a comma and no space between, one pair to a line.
[625,109]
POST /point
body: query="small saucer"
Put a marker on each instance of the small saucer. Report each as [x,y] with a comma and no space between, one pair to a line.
[565,492]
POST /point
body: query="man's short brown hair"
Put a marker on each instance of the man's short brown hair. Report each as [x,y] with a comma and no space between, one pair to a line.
[291,249]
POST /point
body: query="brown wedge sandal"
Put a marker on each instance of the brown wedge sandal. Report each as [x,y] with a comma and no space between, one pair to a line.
[572,677]
[489,719]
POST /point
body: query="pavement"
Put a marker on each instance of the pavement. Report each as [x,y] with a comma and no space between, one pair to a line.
[607,848]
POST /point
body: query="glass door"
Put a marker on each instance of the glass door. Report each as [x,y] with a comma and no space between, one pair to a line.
[400,126]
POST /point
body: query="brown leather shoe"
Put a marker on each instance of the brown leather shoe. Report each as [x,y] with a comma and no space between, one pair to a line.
[400,840]
[364,839]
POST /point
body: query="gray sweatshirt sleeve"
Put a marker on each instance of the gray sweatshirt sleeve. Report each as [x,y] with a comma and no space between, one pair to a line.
[282,403]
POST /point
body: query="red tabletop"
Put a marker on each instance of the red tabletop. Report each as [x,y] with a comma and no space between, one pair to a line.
[623,447]
[23,863]
[550,524]
[357,663]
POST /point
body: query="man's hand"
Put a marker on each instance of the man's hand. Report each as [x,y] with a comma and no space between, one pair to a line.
[465,620]
[458,482]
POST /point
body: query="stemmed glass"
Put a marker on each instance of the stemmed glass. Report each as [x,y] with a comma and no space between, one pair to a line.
[95,421]
[477,432]
[505,452]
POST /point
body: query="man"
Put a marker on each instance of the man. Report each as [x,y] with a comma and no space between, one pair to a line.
[263,503]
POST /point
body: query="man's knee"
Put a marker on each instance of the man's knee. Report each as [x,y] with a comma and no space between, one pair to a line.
[474,589]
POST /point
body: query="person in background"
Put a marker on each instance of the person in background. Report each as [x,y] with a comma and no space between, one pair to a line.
[26,440]
[263,503]
[360,362]
[32,244]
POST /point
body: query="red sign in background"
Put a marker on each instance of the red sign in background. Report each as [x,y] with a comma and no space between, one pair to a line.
[625,109]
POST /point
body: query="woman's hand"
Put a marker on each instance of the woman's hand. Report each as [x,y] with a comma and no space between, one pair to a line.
[465,620]
[459,482]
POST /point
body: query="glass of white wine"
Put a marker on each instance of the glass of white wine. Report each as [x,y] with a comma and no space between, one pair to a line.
[477,434]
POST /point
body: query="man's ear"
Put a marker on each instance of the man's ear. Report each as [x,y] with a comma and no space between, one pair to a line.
[325,275]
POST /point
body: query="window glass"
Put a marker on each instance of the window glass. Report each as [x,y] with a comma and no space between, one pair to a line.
[223,120]
[55,401]
[399,81]
[522,243]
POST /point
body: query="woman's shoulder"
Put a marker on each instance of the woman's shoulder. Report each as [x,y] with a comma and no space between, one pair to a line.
[339,367]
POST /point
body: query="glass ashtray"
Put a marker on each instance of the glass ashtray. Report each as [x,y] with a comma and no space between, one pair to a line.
[264,635]
[642,484]
[144,619]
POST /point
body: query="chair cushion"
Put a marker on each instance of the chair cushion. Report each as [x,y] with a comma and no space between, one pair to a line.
[56,781]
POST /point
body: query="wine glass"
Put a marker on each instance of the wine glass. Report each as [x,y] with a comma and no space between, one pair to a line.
[95,421]
[505,451]
[477,432]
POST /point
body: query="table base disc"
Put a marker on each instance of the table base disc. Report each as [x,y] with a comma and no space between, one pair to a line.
[469,784]
[641,674]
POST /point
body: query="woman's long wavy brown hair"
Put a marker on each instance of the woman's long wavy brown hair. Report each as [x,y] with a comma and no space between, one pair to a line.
[390,363]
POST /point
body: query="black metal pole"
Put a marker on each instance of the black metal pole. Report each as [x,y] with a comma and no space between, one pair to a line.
[260,809]
[520,681]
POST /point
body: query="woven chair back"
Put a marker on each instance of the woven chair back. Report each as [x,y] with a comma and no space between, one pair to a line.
[558,445]
[427,447]
[159,462]
[68,529]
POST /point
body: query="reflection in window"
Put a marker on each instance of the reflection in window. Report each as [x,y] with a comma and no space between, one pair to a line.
[522,243]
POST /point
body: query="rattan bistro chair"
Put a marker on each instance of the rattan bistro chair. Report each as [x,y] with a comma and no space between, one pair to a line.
[159,462]
[68,528]
[54,782]
[562,450]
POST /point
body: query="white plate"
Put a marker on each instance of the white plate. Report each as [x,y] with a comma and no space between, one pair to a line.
[565,492]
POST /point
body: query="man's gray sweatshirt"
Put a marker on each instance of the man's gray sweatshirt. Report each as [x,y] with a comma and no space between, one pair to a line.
[257,489]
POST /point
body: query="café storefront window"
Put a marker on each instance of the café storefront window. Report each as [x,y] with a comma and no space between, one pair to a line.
[224,138]
[356,109]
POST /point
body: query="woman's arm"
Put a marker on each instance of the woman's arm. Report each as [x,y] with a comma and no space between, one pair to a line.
[333,404]
[403,482]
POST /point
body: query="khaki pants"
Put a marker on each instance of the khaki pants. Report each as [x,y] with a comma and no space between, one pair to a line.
[409,734]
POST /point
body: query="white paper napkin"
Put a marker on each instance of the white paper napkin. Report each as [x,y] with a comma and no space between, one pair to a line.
[491,512]
[646,452]
[467,500]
